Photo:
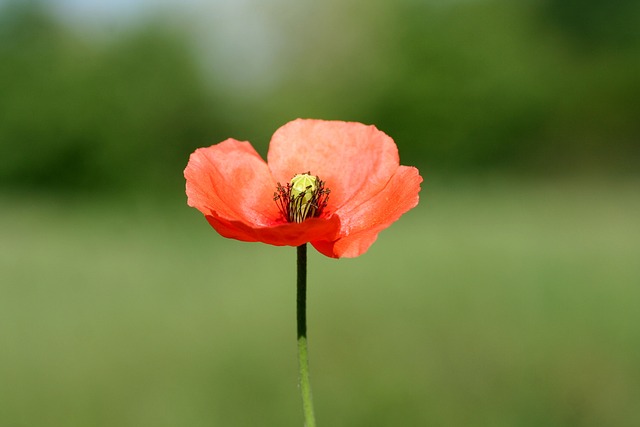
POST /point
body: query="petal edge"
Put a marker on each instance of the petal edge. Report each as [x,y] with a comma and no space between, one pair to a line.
[361,225]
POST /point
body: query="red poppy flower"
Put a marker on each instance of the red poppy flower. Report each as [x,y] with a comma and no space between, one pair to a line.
[333,184]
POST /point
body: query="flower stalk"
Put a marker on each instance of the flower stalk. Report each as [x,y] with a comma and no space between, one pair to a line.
[303,357]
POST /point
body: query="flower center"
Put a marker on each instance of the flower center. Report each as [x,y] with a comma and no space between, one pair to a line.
[304,197]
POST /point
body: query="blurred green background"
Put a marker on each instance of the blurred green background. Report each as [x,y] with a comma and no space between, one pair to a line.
[509,297]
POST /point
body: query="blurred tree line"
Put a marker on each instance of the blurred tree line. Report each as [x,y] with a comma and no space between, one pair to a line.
[478,85]
[462,86]
[81,113]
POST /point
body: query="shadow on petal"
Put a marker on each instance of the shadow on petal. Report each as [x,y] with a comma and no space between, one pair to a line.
[285,234]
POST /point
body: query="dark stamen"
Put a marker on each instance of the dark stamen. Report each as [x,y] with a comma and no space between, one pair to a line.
[296,205]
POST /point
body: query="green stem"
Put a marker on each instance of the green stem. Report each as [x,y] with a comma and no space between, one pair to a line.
[303,358]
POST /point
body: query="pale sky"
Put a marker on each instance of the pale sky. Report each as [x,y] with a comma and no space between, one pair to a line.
[231,30]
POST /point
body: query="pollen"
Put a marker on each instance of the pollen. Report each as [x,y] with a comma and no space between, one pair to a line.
[303,197]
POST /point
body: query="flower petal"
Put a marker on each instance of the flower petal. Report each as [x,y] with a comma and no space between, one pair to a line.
[361,224]
[286,234]
[356,161]
[230,181]
[347,247]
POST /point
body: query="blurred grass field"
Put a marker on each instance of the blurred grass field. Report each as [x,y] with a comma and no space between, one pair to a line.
[491,304]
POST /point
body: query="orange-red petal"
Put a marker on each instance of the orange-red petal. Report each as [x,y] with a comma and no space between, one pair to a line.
[355,160]
[285,234]
[233,187]
[361,224]
[231,180]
